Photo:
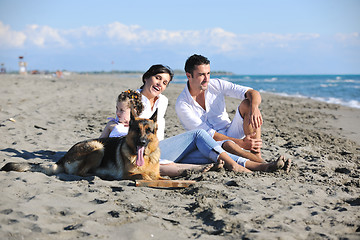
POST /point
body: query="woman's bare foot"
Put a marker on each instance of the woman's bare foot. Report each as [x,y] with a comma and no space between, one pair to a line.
[239,168]
[245,170]
[213,166]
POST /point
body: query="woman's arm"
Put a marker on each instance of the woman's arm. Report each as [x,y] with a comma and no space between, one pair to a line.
[162,107]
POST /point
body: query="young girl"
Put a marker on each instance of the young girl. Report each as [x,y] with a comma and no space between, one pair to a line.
[119,126]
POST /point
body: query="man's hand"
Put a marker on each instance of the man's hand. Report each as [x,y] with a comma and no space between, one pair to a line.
[250,143]
[255,119]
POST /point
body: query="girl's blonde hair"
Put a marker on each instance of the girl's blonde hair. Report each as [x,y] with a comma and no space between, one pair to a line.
[133,98]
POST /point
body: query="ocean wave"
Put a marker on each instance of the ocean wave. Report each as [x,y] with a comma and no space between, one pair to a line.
[351,103]
[284,94]
[328,85]
[331,100]
[342,81]
[274,79]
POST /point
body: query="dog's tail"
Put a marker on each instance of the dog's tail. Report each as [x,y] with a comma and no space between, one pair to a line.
[49,169]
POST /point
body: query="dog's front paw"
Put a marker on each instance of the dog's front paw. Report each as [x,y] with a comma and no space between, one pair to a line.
[164,178]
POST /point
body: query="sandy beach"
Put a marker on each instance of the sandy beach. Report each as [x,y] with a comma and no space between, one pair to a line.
[42,116]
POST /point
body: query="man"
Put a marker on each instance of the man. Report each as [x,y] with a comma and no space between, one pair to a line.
[202,105]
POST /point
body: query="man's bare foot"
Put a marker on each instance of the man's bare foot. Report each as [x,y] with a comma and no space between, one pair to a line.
[280,163]
[287,166]
[276,165]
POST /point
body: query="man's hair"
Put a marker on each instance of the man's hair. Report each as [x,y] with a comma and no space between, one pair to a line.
[193,61]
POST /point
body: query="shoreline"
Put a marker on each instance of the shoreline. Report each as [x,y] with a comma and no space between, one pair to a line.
[344,119]
[41,118]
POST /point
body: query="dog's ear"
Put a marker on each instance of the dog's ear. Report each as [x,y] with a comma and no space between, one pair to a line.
[133,113]
[154,116]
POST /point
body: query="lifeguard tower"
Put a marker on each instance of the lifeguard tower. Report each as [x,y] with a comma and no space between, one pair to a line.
[2,69]
[22,66]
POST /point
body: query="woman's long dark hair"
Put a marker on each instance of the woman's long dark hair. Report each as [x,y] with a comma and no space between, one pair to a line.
[156,69]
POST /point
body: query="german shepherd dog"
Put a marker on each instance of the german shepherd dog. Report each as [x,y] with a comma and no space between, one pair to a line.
[134,156]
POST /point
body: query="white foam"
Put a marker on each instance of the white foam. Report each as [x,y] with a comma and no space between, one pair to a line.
[331,100]
[274,79]
[328,85]
[342,80]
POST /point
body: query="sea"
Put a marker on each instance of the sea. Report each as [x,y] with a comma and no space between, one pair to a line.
[337,89]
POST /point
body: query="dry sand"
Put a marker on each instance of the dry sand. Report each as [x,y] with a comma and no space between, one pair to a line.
[41,117]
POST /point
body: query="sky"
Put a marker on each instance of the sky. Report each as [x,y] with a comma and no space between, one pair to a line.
[239,36]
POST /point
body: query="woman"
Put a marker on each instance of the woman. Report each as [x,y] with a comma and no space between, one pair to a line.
[155,80]
[193,147]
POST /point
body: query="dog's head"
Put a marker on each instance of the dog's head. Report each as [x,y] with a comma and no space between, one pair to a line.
[142,131]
